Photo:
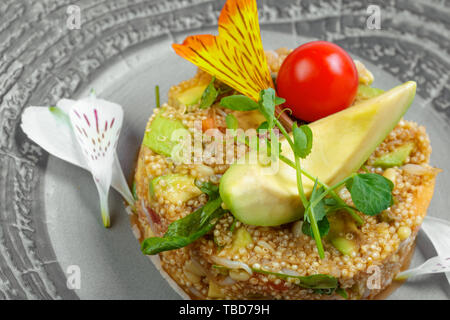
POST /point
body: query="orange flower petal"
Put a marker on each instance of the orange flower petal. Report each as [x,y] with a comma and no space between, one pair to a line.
[236,56]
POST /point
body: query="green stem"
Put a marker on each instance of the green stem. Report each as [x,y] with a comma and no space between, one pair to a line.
[359,221]
[306,204]
[298,167]
[310,210]
[333,194]
[316,232]
[329,190]
[285,134]
[157,96]
[301,192]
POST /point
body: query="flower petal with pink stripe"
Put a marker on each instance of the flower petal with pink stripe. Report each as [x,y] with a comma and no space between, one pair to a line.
[97,125]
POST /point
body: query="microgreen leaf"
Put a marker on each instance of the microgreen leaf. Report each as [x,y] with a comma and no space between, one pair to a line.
[279,100]
[332,205]
[238,103]
[224,90]
[330,202]
[319,214]
[186,230]
[371,193]
[231,121]
[303,140]
[319,209]
[267,106]
[263,126]
[208,188]
[209,95]
[323,225]
[342,292]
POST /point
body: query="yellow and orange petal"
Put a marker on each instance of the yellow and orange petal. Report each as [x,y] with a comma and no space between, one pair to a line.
[236,55]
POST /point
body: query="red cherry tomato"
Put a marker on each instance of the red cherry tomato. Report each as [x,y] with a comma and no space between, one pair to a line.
[317,79]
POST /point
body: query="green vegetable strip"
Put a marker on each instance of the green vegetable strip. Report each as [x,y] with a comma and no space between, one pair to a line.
[157,96]
[186,230]
[316,281]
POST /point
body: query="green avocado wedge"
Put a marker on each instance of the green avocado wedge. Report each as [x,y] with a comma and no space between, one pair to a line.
[162,134]
[396,157]
[342,143]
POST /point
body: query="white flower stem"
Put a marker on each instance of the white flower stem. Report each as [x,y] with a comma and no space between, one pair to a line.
[104,206]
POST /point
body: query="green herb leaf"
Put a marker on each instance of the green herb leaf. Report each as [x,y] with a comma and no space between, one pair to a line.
[331,205]
[231,121]
[315,222]
[279,100]
[320,214]
[323,225]
[303,140]
[371,193]
[239,103]
[319,209]
[267,106]
[186,230]
[263,126]
[209,188]
[224,90]
[342,292]
[330,202]
[315,281]
[209,95]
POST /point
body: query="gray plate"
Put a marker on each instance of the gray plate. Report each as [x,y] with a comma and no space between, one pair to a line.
[49,216]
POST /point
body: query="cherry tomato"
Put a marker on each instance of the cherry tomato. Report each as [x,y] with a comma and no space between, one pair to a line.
[317,79]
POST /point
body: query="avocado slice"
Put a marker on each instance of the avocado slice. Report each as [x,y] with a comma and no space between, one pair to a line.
[163,135]
[340,225]
[342,143]
[241,239]
[366,92]
[192,95]
[175,188]
[396,157]
[345,246]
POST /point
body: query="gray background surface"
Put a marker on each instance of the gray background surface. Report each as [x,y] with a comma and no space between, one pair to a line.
[48,210]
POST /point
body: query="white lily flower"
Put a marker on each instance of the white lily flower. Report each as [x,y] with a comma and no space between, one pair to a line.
[438,231]
[88,141]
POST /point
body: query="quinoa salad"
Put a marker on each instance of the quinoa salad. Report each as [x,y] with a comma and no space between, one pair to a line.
[339,217]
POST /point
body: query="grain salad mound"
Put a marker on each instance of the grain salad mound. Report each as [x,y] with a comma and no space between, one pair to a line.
[382,244]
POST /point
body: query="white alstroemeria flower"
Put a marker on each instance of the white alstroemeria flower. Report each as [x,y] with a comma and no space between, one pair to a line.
[84,133]
[438,231]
